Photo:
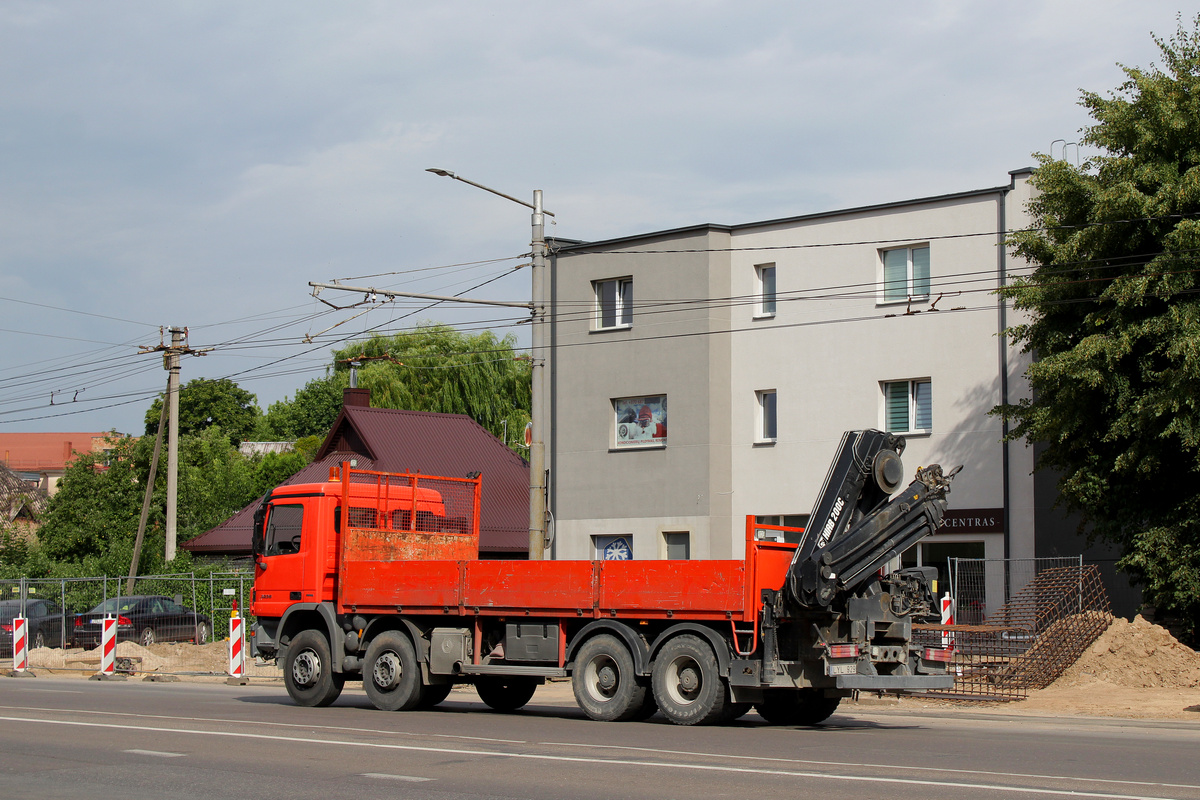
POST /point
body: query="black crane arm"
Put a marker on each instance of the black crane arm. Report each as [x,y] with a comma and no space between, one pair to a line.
[855,528]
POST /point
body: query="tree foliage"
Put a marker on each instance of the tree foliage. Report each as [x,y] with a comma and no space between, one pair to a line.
[205,402]
[1115,307]
[311,412]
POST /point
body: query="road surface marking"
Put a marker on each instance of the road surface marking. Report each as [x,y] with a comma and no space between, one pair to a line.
[819,776]
[386,777]
[158,753]
[872,765]
[175,718]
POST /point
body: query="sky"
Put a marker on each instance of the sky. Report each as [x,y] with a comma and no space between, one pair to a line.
[197,164]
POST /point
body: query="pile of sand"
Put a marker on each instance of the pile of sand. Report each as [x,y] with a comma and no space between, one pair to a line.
[1138,654]
[1134,669]
[164,659]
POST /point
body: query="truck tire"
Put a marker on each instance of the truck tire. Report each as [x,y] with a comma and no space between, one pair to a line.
[796,706]
[687,682]
[391,675]
[433,694]
[308,671]
[506,694]
[604,682]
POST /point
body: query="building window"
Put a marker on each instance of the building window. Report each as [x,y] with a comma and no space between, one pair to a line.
[677,545]
[765,274]
[767,416]
[614,303]
[907,406]
[905,273]
[641,421]
[613,548]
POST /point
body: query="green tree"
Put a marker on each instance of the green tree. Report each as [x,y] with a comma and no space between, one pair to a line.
[436,368]
[206,402]
[310,413]
[1114,301]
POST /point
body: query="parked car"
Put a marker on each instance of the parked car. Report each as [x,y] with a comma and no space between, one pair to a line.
[144,619]
[45,627]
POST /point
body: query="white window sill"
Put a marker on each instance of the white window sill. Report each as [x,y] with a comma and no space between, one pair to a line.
[613,328]
[761,315]
[903,301]
[765,442]
[918,434]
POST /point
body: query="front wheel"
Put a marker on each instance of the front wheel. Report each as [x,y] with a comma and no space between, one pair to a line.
[506,694]
[391,675]
[202,633]
[604,682]
[433,694]
[39,640]
[308,671]
[796,706]
[687,682]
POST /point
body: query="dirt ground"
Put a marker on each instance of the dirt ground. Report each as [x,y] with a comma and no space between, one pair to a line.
[1134,670]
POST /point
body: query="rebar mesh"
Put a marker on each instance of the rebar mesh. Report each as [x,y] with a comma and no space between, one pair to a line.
[1031,640]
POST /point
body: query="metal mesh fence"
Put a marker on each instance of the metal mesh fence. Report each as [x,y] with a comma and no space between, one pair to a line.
[980,585]
[169,624]
[1031,640]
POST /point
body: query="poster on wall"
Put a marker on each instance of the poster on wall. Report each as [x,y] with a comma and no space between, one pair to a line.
[641,421]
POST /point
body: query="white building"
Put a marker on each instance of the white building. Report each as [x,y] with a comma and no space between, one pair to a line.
[704,374]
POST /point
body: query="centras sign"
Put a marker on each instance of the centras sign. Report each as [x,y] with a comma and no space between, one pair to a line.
[973,520]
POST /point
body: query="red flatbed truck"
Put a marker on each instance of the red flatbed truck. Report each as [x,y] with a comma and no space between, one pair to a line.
[376,577]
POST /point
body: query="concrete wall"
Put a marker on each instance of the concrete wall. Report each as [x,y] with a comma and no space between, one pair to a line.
[696,337]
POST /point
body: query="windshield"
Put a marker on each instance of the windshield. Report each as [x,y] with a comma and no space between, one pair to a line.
[116,605]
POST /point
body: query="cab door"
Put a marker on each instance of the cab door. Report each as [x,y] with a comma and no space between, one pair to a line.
[281,571]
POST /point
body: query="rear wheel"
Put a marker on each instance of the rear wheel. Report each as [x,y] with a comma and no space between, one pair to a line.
[148,637]
[391,676]
[687,682]
[604,682]
[506,694]
[796,706]
[308,671]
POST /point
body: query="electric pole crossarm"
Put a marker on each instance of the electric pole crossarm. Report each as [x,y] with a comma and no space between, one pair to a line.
[441,298]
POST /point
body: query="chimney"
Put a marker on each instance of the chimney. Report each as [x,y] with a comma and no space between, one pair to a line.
[356,397]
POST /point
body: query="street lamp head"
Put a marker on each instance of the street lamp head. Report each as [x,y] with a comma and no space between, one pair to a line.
[443,172]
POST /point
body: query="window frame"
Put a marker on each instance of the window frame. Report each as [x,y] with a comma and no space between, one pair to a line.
[656,423]
[667,543]
[622,304]
[761,418]
[912,283]
[602,541]
[913,400]
[764,307]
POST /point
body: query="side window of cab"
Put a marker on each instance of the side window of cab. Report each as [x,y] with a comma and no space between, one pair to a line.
[285,525]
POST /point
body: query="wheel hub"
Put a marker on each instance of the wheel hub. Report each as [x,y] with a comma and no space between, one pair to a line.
[387,670]
[306,668]
[689,680]
[606,678]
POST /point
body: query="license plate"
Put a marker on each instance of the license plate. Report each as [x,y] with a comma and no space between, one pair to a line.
[97,622]
[842,669]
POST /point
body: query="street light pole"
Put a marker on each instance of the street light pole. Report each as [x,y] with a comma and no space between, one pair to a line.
[537,363]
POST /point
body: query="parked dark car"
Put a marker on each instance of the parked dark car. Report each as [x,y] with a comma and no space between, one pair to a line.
[144,619]
[45,623]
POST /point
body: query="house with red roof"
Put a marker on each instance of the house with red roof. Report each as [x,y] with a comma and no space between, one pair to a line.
[42,458]
[390,440]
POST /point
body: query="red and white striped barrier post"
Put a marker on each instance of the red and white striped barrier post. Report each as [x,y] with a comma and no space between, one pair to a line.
[108,646]
[237,645]
[947,619]
[20,644]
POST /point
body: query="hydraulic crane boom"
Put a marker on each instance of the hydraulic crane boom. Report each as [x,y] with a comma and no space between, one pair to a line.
[854,528]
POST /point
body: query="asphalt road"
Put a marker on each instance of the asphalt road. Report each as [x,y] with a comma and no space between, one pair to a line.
[69,738]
